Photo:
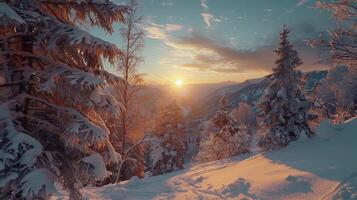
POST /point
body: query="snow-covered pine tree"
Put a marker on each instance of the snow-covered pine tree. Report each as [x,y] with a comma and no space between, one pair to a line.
[226,140]
[52,107]
[169,146]
[284,109]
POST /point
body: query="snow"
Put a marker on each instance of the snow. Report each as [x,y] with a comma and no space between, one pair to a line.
[38,181]
[7,11]
[321,167]
[22,141]
[84,79]
[82,127]
[156,154]
[19,143]
[5,180]
[5,116]
[95,160]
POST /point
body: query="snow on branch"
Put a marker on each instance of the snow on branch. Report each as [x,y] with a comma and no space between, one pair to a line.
[63,41]
[340,9]
[75,77]
[99,171]
[79,128]
[340,43]
[22,150]
[63,36]
[8,15]
[96,12]
[39,182]
[19,142]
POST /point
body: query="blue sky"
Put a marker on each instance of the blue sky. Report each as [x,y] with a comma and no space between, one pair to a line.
[222,40]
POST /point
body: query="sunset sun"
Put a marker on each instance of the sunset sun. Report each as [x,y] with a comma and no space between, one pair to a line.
[178,82]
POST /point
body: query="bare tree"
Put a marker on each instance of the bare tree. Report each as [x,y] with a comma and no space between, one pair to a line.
[244,115]
[341,43]
[125,156]
[133,39]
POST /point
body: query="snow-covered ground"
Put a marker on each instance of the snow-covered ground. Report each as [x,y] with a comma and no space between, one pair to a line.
[324,167]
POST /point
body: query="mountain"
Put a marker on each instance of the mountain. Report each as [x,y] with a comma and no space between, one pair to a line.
[248,91]
[190,94]
[298,171]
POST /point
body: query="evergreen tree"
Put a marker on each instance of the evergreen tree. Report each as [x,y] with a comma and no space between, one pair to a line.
[52,105]
[168,149]
[284,109]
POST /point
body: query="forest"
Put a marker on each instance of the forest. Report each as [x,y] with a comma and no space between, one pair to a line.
[84,115]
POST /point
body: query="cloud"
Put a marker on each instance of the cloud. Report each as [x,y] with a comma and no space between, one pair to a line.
[301,2]
[157,31]
[289,11]
[200,53]
[173,27]
[204,4]
[211,55]
[208,18]
[169,3]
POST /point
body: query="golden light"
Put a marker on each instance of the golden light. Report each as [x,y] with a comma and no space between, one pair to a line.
[178,82]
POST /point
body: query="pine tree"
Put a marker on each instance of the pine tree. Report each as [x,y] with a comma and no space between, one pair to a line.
[168,153]
[284,109]
[52,105]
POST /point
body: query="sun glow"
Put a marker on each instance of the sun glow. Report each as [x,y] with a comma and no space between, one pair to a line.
[178,82]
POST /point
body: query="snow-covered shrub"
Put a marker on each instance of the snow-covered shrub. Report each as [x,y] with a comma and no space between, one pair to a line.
[244,115]
[226,139]
[223,145]
[153,153]
[339,90]
[339,93]
[52,107]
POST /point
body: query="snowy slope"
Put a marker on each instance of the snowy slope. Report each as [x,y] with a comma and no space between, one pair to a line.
[324,167]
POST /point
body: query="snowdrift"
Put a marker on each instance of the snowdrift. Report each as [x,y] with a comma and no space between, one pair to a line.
[324,167]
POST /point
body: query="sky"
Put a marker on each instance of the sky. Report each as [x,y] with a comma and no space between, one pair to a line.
[208,41]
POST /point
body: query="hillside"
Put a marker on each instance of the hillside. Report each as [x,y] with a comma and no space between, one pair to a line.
[299,171]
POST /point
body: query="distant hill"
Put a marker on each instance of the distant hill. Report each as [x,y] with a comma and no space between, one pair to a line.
[248,91]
